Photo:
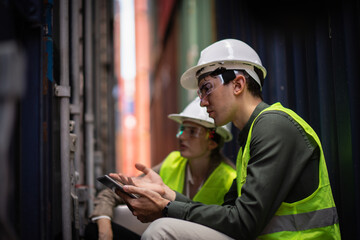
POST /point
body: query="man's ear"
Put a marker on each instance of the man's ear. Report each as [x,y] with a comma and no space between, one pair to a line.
[239,84]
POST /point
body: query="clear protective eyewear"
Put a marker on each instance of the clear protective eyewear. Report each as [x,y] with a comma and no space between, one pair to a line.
[207,87]
[189,131]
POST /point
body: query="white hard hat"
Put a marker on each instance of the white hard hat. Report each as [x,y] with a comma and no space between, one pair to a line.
[197,114]
[227,53]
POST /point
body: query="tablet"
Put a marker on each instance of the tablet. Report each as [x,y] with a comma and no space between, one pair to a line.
[114,185]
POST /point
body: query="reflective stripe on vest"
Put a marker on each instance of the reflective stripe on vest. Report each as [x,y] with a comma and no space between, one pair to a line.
[214,188]
[298,220]
[303,221]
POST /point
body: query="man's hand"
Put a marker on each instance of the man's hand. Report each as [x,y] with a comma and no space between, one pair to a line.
[148,207]
[149,175]
[150,180]
[105,230]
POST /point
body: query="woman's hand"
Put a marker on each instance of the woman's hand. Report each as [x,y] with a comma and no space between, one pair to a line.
[105,230]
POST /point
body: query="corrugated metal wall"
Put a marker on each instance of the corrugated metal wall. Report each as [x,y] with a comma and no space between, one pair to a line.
[182,30]
[53,41]
[311,52]
[163,80]
[197,30]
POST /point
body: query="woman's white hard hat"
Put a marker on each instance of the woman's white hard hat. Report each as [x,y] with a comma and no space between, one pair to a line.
[227,53]
[197,114]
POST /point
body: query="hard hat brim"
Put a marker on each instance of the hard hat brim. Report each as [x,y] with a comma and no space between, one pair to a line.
[181,118]
[188,79]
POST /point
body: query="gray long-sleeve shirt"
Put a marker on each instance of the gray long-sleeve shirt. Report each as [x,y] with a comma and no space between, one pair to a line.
[283,168]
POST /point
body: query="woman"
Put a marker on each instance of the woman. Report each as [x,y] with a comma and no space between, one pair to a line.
[198,170]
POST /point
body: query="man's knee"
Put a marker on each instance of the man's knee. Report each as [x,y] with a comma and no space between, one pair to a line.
[172,229]
[159,229]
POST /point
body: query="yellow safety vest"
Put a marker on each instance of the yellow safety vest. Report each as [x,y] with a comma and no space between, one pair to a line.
[214,188]
[314,217]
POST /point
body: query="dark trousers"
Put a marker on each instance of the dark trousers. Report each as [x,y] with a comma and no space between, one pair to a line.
[119,232]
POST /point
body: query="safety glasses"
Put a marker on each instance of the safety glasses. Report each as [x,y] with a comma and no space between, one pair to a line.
[207,86]
[190,131]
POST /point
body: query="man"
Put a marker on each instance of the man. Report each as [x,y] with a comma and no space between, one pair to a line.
[282,190]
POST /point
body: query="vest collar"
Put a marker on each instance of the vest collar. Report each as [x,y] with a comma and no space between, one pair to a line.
[244,132]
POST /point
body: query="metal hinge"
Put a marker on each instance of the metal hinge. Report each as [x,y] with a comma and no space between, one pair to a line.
[62,91]
[73,139]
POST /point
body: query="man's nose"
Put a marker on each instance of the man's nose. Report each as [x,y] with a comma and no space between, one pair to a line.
[204,102]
